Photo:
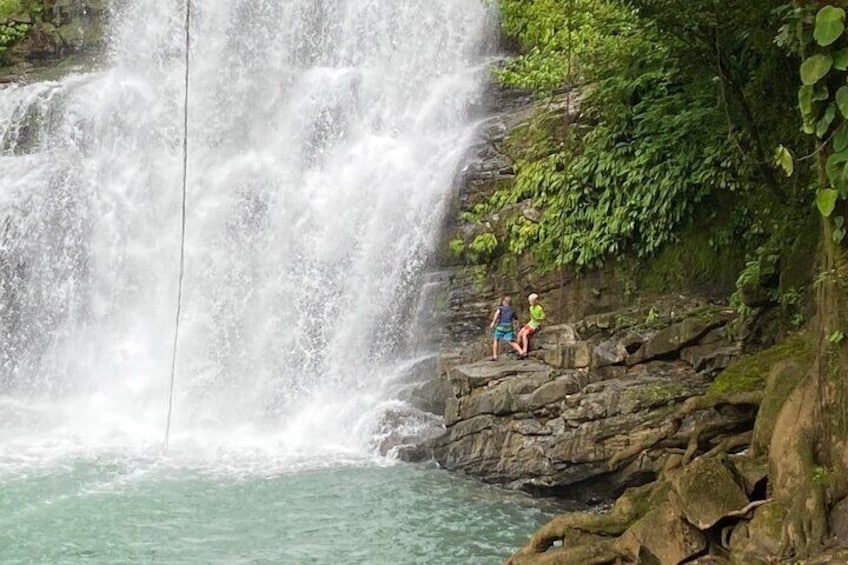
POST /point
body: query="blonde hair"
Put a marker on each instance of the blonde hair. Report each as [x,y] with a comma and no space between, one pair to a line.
[533,298]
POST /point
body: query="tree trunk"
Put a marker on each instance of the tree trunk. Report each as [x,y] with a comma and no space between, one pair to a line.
[807,454]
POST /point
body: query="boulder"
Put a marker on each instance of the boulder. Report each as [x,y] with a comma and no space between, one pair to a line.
[677,336]
[712,357]
[706,491]
[465,378]
[662,536]
[757,542]
[552,336]
[569,356]
[608,352]
[432,395]
[404,427]
[839,521]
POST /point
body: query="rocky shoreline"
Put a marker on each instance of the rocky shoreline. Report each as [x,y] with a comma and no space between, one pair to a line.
[557,421]
[650,410]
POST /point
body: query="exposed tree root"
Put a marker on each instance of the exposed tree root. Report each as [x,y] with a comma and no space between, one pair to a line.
[744,512]
[675,421]
[729,443]
[600,553]
[694,440]
[586,537]
[565,525]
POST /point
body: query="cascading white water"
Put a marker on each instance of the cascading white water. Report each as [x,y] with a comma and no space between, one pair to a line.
[324,135]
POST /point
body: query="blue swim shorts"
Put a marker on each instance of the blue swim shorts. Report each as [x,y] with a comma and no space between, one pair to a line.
[504,332]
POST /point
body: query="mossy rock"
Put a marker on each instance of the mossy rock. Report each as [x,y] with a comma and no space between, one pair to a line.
[662,536]
[749,374]
[651,395]
[783,378]
[758,540]
[706,492]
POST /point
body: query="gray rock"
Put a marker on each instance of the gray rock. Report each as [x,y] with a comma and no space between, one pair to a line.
[465,378]
[432,395]
[569,356]
[676,337]
[405,427]
[608,352]
[712,357]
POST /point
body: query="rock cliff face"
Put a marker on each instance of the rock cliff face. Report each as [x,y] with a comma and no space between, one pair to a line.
[473,291]
[563,421]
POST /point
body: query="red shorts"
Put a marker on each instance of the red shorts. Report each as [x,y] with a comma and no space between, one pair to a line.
[530,330]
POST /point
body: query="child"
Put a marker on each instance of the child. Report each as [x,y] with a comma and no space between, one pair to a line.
[502,321]
[537,314]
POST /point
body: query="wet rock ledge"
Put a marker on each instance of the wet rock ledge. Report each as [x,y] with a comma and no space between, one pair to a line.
[592,411]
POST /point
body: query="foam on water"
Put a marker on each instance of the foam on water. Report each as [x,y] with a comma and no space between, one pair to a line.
[325,137]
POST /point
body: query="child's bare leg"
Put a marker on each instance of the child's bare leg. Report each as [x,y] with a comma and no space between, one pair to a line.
[495,349]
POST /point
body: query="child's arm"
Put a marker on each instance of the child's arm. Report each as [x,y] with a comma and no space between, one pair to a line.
[495,318]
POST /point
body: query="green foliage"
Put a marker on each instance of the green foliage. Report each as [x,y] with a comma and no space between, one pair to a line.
[11,32]
[830,23]
[826,201]
[9,8]
[823,98]
[483,246]
[784,159]
[562,40]
[676,118]
[456,247]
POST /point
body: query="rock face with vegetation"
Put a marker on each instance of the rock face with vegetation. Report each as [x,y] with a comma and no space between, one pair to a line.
[672,148]
[43,35]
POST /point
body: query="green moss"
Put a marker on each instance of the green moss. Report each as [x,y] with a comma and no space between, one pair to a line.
[692,262]
[749,373]
[9,8]
[654,394]
[780,385]
[769,518]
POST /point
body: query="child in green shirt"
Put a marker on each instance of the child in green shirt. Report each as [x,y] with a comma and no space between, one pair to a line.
[537,315]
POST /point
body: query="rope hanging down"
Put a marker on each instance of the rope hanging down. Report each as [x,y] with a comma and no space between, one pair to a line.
[182,225]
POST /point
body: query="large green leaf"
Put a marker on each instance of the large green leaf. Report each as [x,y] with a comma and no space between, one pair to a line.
[783,158]
[834,165]
[840,138]
[826,201]
[815,67]
[805,99]
[842,100]
[840,60]
[830,23]
[823,124]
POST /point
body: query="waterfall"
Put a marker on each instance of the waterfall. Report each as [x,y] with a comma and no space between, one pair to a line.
[325,136]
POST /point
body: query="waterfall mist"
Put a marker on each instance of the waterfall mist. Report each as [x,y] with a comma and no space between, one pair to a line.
[324,138]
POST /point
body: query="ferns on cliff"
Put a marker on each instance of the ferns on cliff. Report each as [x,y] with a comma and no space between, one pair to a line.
[676,116]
